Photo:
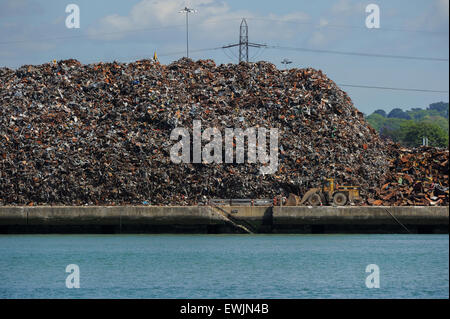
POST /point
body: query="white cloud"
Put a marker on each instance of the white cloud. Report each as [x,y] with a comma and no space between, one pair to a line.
[291,17]
[212,18]
[323,22]
[347,7]
[342,12]
[144,14]
[151,13]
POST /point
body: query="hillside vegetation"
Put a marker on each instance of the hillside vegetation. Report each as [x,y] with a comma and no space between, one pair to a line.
[410,127]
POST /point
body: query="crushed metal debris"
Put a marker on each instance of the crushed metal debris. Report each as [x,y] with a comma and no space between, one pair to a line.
[99,134]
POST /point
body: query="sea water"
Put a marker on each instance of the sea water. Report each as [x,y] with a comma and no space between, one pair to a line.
[224,266]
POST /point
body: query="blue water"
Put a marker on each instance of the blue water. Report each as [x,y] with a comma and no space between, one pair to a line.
[224,266]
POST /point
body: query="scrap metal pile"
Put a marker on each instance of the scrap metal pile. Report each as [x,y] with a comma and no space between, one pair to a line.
[99,134]
[417,177]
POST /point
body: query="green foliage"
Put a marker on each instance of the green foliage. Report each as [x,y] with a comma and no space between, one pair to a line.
[392,129]
[409,127]
[381,112]
[411,134]
[441,108]
[399,114]
[418,114]
[438,120]
[376,121]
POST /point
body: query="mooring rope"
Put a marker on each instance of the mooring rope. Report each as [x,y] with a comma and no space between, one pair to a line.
[397,221]
[223,213]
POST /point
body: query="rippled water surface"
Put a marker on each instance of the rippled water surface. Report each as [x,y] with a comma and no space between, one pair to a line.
[224,266]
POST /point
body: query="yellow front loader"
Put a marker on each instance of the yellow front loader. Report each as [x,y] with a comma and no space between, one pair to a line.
[331,194]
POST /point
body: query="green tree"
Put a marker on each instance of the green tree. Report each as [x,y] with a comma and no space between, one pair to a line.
[381,112]
[399,114]
[418,114]
[437,120]
[392,129]
[441,108]
[409,127]
[411,134]
[376,121]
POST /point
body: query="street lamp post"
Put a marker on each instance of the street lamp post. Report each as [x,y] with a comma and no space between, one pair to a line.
[286,62]
[187,11]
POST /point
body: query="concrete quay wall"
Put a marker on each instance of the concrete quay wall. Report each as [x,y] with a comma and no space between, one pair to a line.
[207,219]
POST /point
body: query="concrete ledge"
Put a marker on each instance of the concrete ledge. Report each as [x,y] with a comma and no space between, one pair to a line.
[366,219]
[202,219]
[366,215]
[13,216]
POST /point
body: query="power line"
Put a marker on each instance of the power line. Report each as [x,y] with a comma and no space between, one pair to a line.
[425,32]
[214,22]
[233,57]
[233,54]
[229,57]
[405,57]
[256,54]
[339,84]
[391,88]
[88,36]
[249,44]
[259,54]
[343,85]
[115,32]
[243,42]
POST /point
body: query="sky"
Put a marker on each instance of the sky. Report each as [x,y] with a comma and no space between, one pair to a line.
[35,32]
